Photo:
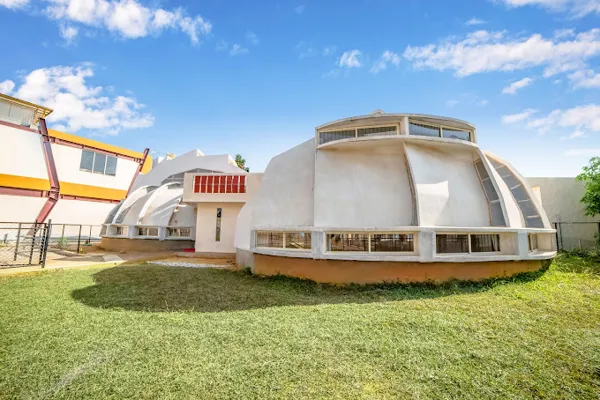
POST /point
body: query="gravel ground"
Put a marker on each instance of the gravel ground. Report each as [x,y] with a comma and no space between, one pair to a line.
[184,264]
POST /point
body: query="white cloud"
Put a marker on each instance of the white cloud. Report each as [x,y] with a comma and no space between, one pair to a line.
[388,57]
[582,118]
[583,152]
[237,49]
[351,59]
[68,32]
[14,4]
[484,51]
[474,21]
[252,38]
[585,79]
[129,19]
[514,118]
[451,103]
[7,86]
[574,135]
[78,105]
[514,86]
[483,103]
[575,8]
[299,9]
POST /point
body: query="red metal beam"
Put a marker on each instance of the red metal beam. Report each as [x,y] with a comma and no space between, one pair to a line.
[139,169]
[9,191]
[54,192]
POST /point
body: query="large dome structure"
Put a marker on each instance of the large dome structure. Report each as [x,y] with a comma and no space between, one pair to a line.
[393,197]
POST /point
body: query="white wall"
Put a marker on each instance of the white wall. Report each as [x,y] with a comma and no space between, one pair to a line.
[206,226]
[285,197]
[68,160]
[449,190]
[160,207]
[20,208]
[362,189]
[80,212]
[21,153]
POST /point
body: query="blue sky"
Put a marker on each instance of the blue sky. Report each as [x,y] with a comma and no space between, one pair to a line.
[256,77]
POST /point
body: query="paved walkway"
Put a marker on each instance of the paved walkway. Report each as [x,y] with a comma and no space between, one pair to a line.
[61,261]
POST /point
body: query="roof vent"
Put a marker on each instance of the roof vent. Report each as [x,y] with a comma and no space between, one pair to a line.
[378,112]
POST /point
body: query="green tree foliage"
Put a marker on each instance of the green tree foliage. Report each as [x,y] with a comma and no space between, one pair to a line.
[591,177]
[241,162]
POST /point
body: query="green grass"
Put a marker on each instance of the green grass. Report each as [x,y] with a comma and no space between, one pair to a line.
[159,332]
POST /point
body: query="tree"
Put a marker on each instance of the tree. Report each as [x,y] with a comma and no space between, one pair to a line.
[591,177]
[241,162]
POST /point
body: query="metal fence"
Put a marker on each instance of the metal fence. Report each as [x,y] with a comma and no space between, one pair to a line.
[23,243]
[72,237]
[573,235]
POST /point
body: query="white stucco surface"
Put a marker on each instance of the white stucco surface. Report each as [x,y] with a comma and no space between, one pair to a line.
[285,196]
[20,208]
[21,153]
[161,206]
[362,189]
[80,212]
[449,190]
[206,227]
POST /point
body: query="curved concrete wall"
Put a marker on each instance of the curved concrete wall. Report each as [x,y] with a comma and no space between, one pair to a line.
[285,197]
[361,189]
[448,188]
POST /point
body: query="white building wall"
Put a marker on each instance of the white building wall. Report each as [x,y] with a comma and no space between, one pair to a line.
[68,160]
[362,189]
[79,212]
[286,190]
[206,227]
[21,153]
[20,208]
[449,190]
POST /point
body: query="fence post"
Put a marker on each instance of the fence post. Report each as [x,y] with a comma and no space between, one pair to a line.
[79,240]
[556,234]
[33,241]
[17,245]
[90,236]
[62,235]
[44,248]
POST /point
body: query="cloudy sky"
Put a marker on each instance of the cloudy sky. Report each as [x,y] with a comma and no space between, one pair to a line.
[256,77]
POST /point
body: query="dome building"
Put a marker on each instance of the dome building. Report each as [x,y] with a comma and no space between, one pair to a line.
[392,197]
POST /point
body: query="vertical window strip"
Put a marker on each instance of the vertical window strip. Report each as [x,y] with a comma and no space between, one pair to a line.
[495,208]
[218,227]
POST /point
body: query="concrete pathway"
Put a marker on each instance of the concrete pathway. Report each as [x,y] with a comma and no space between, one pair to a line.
[59,261]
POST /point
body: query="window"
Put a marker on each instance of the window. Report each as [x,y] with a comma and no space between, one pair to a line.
[120,230]
[392,242]
[218,228]
[423,130]
[298,240]
[496,215]
[179,232]
[451,243]
[220,184]
[143,231]
[485,243]
[269,239]
[379,131]
[528,209]
[16,114]
[456,134]
[348,242]
[325,137]
[533,243]
[98,163]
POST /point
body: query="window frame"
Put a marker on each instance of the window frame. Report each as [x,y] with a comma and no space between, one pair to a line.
[139,228]
[94,154]
[171,229]
[470,250]
[355,129]
[283,240]
[440,128]
[370,234]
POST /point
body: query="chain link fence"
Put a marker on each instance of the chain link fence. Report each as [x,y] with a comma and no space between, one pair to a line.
[73,237]
[23,244]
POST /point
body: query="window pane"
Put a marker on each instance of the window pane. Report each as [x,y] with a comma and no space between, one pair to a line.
[533,245]
[535,222]
[392,242]
[4,110]
[218,228]
[452,243]
[111,165]
[528,208]
[490,190]
[485,243]
[298,240]
[496,214]
[510,180]
[99,163]
[379,131]
[481,170]
[423,130]
[325,137]
[348,242]
[20,115]
[456,134]
[87,160]
[269,239]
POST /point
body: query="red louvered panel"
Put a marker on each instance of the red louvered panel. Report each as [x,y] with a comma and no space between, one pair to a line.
[196,184]
[235,184]
[203,184]
[242,184]
[222,184]
[209,187]
[229,180]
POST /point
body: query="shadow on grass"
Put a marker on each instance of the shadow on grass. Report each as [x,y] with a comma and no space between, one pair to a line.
[164,289]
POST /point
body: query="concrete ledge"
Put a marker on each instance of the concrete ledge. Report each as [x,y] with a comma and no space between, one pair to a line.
[365,272]
[205,254]
[147,245]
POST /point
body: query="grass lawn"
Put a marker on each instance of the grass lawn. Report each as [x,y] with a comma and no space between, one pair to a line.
[164,332]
